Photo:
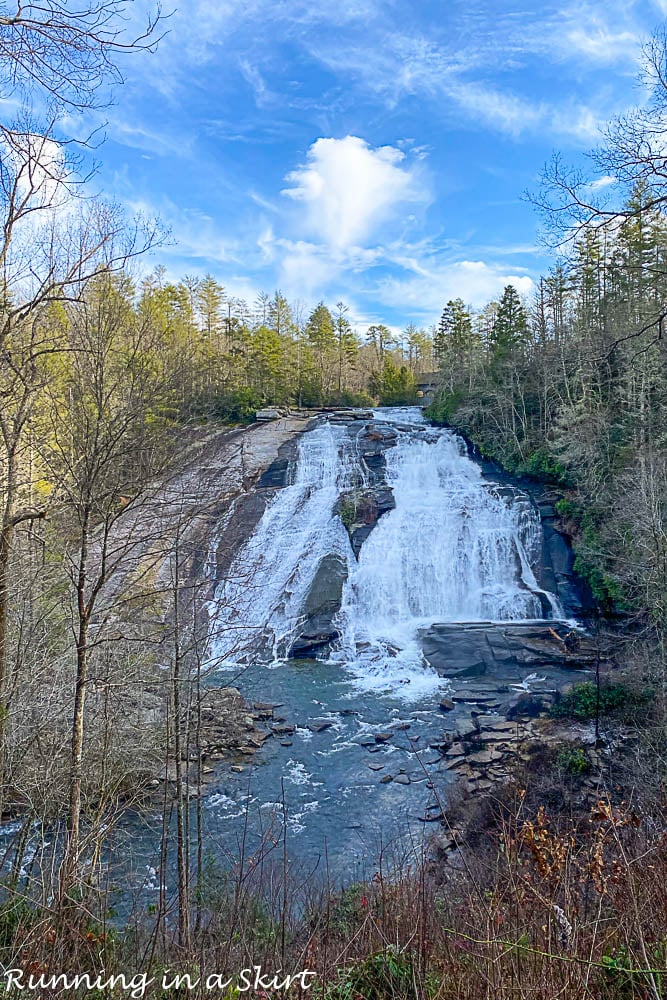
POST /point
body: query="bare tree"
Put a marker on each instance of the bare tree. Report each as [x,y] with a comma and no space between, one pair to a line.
[69,56]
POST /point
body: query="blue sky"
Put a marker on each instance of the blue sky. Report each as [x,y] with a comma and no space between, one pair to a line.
[374,151]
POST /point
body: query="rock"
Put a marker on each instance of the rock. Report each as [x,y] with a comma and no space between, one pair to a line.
[385,779]
[402,779]
[362,509]
[286,743]
[436,817]
[237,769]
[527,704]
[376,767]
[275,477]
[456,750]
[485,757]
[284,730]
[319,725]
[382,737]
[268,414]
[447,705]
[321,606]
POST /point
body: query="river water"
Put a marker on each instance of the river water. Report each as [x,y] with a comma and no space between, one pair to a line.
[455,550]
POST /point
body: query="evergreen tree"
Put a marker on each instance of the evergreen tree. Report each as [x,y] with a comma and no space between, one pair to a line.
[510,331]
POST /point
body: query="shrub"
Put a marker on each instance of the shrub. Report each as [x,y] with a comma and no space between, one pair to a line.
[573,760]
[389,974]
[543,466]
[582,701]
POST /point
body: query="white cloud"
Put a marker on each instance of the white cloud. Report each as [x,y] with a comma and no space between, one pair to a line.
[348,189]
[263,96]
[474,281]
[601,183]
[39,166]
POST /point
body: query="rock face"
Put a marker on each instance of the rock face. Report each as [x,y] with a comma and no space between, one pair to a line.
[360,511]
[320,608]
[373,440]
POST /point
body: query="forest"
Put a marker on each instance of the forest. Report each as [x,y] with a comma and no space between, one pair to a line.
[110,376]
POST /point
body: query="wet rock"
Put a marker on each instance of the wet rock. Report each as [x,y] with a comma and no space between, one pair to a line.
[376,767]
[286,743]
[382,737]
[385,779]
[376,465]
[361,510]
[319,725]
[320,608]
[262,710]
[237,769]
[447,705]
[402,779]
[276,476]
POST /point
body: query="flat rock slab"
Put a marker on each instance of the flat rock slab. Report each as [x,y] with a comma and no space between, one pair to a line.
[319,725]
[479,649]
[485,757]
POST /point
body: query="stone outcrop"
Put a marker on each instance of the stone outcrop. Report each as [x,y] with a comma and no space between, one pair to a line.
[360,511]
[320,608]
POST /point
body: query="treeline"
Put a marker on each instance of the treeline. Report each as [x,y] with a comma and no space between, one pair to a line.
[232,357]
[571,387]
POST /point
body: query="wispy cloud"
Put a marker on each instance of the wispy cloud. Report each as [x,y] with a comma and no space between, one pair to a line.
[475,281]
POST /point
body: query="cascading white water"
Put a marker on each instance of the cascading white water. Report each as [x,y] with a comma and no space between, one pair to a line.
[259,606]
[454,549]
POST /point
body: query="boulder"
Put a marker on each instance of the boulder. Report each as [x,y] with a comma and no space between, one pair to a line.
[268,414]
[526,704]
[320,608]
[319,725]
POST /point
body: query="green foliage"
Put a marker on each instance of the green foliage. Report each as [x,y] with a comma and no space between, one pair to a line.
[543,466]
[348,510]
[623,981]
[443,408]
[238,406]
[569,509]
[17,916]
[573,760]
[581,702]
[389,974]
[510,330]
[349,398]
[394,386]
[349,909]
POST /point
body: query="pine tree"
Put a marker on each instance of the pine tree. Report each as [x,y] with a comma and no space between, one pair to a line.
[510,332]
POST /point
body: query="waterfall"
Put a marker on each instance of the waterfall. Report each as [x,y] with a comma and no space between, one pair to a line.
[258,608]
[455,549]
